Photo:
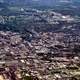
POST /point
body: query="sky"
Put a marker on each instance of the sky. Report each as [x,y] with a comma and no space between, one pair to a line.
[41,2]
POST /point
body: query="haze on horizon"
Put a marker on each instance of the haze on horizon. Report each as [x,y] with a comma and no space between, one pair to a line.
[40,2]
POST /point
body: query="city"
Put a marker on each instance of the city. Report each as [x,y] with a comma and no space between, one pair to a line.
[39,43]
